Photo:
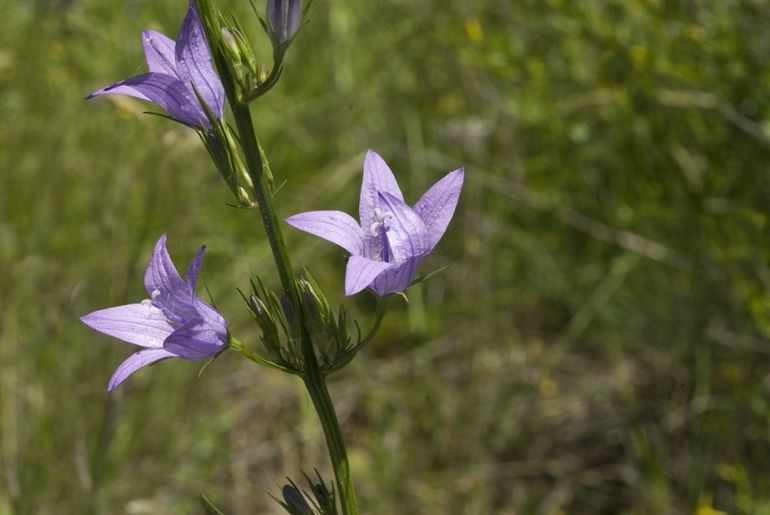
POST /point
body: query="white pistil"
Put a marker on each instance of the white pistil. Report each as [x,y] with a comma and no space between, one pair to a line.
[374,229]
[378,228]
[380,217]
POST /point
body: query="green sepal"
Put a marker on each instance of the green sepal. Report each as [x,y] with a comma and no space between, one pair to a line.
[427,276]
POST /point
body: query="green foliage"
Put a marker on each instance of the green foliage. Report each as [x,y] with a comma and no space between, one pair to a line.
[598,345]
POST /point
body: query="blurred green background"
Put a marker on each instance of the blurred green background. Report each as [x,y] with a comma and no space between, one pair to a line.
[599,344]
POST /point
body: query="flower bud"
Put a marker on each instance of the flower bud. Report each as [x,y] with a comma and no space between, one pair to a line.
[239,56]
[318,498]
[294,502]
[283,18]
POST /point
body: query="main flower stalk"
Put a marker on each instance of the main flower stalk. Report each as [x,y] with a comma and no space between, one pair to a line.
[312,376]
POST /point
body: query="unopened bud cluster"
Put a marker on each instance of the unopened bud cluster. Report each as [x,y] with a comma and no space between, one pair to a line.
[224,149]
[284,326]
[319,500]
[240,57]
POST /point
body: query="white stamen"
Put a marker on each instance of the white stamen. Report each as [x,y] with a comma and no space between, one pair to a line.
[374,229]
[155,294]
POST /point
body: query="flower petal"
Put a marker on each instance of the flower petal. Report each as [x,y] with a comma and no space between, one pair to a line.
[194,268]
[159,52]
[195,340]
[211,317]
[134,362]
[334,226]
[140,324]
[361,272]
[407,234]
[396,278]
[164,90]
[193,62]
[437,205]
[166,288]
[377,178]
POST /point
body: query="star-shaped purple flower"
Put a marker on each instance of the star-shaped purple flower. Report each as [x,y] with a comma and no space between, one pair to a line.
[392,238]
[172,323]
[177,70]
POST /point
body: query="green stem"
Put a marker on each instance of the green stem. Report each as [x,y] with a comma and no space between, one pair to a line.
[319,394]
[312,375]
[236,345]
[248,139]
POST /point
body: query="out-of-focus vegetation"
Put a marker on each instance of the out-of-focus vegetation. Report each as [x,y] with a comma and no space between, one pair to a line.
[600,343]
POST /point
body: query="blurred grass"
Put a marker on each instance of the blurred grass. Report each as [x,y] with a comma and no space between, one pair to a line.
[599,344]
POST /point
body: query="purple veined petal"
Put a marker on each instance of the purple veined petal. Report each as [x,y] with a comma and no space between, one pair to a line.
[194,340]
[396,278]
[211,317]
[193,62]
[167,290]
[361,272]
[407,234]
[334,226]
[377,178]
[284,17]
[164,90]
[140,324]
[159,52]
[437,205]
[194,268]
[134,362]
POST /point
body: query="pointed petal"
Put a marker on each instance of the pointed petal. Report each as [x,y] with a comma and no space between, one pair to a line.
[140,324]
[134,362]
[377,178]
[194,268]
[361,272]
[159,52]
[194,340]
[164,90]
[407,234]
[437,205]
[334,226]
[211,317]
[396,278]
[193,62]
[166,288]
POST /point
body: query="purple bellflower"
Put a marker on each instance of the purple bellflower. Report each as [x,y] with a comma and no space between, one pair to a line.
[172,323]
[177,70]
[392,238]
[284,17]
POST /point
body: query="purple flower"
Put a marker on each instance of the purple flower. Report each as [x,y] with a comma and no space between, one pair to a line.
[177,70]
[172,323]
[392,237]
[284,17]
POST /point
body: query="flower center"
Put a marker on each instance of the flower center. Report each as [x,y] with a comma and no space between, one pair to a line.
[150,303]
[379,229]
